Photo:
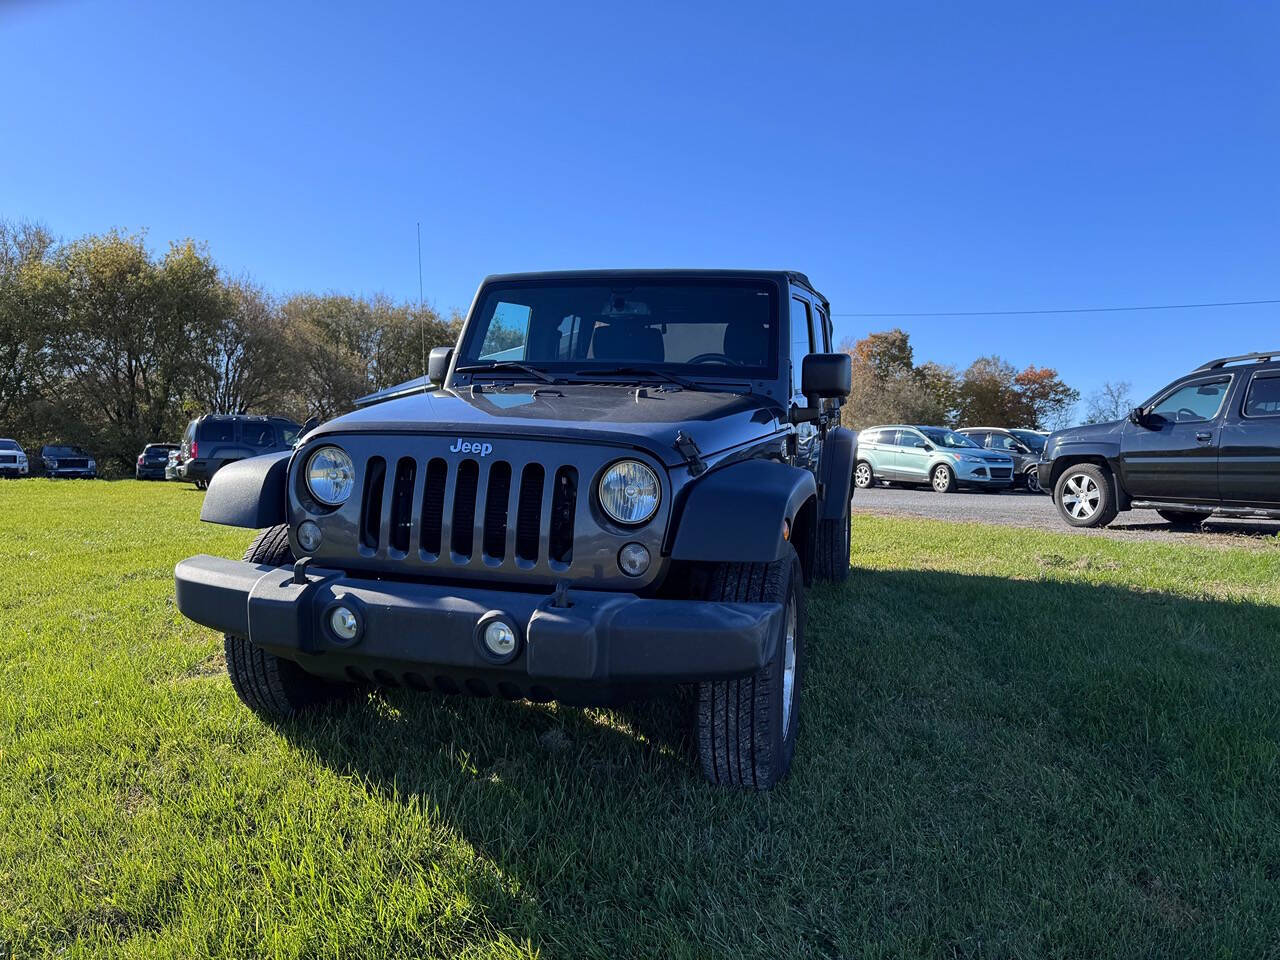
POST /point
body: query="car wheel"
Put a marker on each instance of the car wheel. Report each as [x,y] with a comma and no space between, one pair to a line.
[273,687]
[1084,496]
[1183,518]
[1033,480]
[747,727]
[942,479]
[862,475]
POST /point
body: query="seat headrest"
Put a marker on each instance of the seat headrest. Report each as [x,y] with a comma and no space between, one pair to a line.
[747,342]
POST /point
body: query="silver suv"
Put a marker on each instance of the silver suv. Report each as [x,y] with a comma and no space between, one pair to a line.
[937,456]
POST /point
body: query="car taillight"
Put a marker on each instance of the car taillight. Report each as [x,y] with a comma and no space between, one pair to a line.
[140,459]
[194,449]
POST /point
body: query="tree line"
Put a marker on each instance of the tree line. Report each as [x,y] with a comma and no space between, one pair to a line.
[108,346]
[890,387]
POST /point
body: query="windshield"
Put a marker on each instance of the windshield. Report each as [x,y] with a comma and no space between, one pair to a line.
[700,328]
[9,445]
[289,432]
[1032,439]
[63,452]
[946,438]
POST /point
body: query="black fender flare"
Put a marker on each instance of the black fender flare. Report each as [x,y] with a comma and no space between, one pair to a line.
[839,451]
[249,493]
[737,512]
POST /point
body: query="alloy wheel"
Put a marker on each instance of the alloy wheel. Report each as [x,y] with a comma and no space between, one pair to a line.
[941,479]
[1033,481]
[1081,496]
[862,475]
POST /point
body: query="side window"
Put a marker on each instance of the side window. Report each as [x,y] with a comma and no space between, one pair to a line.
[872,436]
[1001,442]
[1264,397]
[508,332]
[258,434]
[1192,402]
[218,431]
[801,341]
[824,325]
[909,438]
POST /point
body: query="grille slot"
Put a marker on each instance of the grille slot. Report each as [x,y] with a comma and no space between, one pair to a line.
[495,510]
[462,537]
[433,505]
[529,512]
[564,502]
[402,504]
[375,476]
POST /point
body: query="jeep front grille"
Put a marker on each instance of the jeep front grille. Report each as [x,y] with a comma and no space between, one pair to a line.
[503,511]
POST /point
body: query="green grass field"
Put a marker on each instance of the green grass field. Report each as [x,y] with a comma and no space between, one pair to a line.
[1013,745]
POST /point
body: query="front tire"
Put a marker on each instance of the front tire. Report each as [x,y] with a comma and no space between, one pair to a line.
[942,479]
[863,475]
[272,687]
[747,727]
[1085,496]
[1033,480]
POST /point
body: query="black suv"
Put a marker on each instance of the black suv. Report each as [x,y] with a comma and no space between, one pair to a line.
[618,481]
[63,460]
[1207,443]
[153,459]
[215,440]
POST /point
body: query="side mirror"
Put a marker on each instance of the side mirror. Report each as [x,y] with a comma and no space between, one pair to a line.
[1137,417]
[826,375]
[928,448]
[438,364]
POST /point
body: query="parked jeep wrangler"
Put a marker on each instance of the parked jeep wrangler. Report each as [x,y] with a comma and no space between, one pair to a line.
[616,482]
[1207,443]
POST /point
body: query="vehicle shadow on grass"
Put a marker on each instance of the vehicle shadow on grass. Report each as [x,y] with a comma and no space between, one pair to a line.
[1002,744]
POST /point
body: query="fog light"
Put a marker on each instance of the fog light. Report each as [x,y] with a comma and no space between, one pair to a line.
[344,623]
[309,536]
[500,639]
[633,559]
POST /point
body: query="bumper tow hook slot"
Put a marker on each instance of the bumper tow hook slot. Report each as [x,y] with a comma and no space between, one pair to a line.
[560,598]
[300,570]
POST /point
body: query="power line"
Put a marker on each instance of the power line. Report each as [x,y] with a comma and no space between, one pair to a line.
[1023,313]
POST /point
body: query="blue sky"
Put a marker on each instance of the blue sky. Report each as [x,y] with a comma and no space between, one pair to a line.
[909,157]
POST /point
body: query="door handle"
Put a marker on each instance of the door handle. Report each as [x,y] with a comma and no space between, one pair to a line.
[1204,436]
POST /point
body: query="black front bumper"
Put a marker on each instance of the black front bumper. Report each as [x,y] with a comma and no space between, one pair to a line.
[600,645]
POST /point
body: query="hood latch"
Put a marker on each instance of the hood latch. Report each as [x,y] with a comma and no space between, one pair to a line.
[687,447]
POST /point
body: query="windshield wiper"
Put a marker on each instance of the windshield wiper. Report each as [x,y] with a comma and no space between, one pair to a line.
[647,372]
[497,366]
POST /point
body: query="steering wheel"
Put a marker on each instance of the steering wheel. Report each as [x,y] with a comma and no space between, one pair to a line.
[715,358]
[1190,415]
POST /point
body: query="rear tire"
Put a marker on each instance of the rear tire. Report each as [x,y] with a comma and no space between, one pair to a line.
[1085,496]
[747,727]
[863,475]
[1033,480]
[1183,518]
[272,687]
[831,564]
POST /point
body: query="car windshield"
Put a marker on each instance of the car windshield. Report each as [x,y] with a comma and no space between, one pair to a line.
[9,445]
[695,327]
[63,452]
[289,431]
[946,438]
[1031,439]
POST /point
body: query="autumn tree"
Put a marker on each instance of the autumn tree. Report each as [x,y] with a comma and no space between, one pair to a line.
[1046,402]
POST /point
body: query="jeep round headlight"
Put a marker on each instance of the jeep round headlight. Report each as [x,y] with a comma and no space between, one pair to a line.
[629,492]
[331,476]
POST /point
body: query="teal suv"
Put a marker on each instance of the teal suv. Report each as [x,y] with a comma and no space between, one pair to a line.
[937,456]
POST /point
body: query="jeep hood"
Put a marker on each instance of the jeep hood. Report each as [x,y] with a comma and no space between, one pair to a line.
[649,419]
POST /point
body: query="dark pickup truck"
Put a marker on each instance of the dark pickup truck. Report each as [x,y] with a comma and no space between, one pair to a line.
[616,481]
[1207,443]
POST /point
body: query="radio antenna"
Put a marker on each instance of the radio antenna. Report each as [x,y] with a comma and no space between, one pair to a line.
[422,326]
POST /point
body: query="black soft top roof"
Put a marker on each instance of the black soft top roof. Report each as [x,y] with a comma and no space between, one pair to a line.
[790,276]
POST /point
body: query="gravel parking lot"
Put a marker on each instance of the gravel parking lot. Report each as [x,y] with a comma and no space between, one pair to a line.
[1018,508]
